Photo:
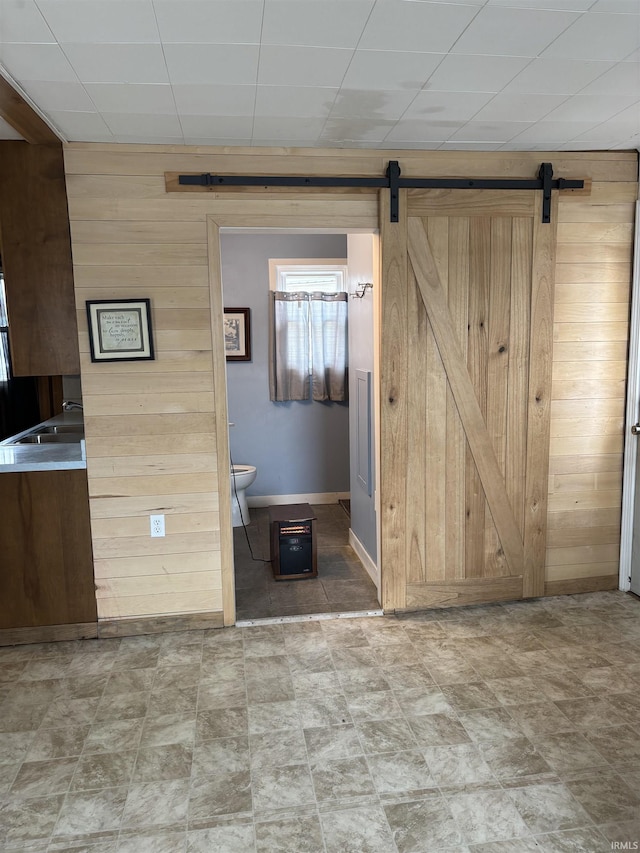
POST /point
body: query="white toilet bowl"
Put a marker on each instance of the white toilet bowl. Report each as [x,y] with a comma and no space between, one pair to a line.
[241,478]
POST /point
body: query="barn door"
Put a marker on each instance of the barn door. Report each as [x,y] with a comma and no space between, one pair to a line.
[471,396]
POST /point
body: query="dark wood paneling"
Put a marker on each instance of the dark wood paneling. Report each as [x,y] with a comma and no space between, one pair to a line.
[36,254]
[48,634]
[47,563]
[17,112]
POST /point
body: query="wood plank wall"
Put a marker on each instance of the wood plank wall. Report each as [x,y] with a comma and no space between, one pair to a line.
[592,302]
[151,425]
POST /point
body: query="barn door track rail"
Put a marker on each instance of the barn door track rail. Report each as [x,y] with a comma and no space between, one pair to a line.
[393,182]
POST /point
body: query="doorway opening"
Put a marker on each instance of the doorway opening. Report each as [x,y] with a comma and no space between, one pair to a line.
[304,451]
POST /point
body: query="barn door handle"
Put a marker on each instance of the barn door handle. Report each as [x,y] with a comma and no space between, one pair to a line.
[635,429]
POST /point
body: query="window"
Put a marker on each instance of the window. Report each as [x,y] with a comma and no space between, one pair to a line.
[325,275]
[309,329]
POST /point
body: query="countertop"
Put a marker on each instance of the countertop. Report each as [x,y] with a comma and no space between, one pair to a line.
[43,457]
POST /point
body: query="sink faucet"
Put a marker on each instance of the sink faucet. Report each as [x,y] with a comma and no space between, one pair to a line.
[70,405]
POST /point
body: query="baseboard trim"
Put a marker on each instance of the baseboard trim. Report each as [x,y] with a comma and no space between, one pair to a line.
[573,586]
[365,559]
[48,634]
[133,626]
[312,498]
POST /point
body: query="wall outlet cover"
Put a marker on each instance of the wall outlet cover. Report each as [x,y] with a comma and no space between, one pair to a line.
[157,525]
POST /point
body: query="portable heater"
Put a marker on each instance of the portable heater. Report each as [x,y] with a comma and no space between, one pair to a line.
[293,542]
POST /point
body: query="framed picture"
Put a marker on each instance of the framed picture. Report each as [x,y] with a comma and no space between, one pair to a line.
[237,334]
[120,329]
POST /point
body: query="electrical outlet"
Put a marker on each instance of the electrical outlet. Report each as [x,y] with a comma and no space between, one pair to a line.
[157,525]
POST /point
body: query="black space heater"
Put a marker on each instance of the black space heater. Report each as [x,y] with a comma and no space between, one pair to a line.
[293,542]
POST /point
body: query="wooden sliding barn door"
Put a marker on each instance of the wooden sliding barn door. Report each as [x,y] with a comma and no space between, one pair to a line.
[467,338]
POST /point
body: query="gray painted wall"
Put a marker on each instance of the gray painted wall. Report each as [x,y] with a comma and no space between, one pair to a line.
[298,447]
[361,249]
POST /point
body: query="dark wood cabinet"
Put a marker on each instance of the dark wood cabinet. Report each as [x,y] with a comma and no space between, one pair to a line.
[36,257]
[46,574]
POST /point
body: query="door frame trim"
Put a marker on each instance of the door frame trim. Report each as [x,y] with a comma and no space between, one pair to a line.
[233,212]
[632,414]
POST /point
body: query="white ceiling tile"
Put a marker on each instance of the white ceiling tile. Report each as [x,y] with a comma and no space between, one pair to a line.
[218,127]
[557,76]
[548,5]
[212,64]
[321,23]
[118,63]
[390,69]
[625,124]
[126,98]
[625,6]
[423,129]
[22,21]
[152,126]
[117,21]
[470,146]
[462,73]
[420,144]
[81,127]
[368,105]
[551,132]
[486,131]
[597,107]
[598,37]
[210,21]
[36,62]
[622,79]
[422,27]
[8,132]
[356,130]
[513,145]
[294,101]
[193,99]
[147,139]
[505,31]
[306,66]
[56,95]
[607,132]
[519,107]
[217,141]
[280,127]
[447,106]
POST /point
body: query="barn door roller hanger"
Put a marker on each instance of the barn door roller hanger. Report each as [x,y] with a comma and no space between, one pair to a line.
[393,182]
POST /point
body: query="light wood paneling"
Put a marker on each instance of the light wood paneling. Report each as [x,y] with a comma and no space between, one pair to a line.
[394,403]
[587,414]
[132,238]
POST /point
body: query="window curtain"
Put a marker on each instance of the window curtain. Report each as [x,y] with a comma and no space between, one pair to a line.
[329,346]
[308,346]
[290,346]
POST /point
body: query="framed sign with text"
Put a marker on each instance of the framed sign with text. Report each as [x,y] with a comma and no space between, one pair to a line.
[120,329]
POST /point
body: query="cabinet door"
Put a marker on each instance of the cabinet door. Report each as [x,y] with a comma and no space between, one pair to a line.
[47,562]
[36,256]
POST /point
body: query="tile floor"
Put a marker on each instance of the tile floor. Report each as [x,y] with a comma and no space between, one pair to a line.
[510,728]
[342,585]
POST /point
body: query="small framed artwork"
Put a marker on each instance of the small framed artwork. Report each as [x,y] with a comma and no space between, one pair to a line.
[120,329]
[237,334]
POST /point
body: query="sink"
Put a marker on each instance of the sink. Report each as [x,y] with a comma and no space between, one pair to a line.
[51,438]
[62,429]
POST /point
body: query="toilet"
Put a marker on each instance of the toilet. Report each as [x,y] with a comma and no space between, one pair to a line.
[241,478]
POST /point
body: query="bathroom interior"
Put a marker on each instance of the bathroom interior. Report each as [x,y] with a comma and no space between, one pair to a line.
[303,451]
